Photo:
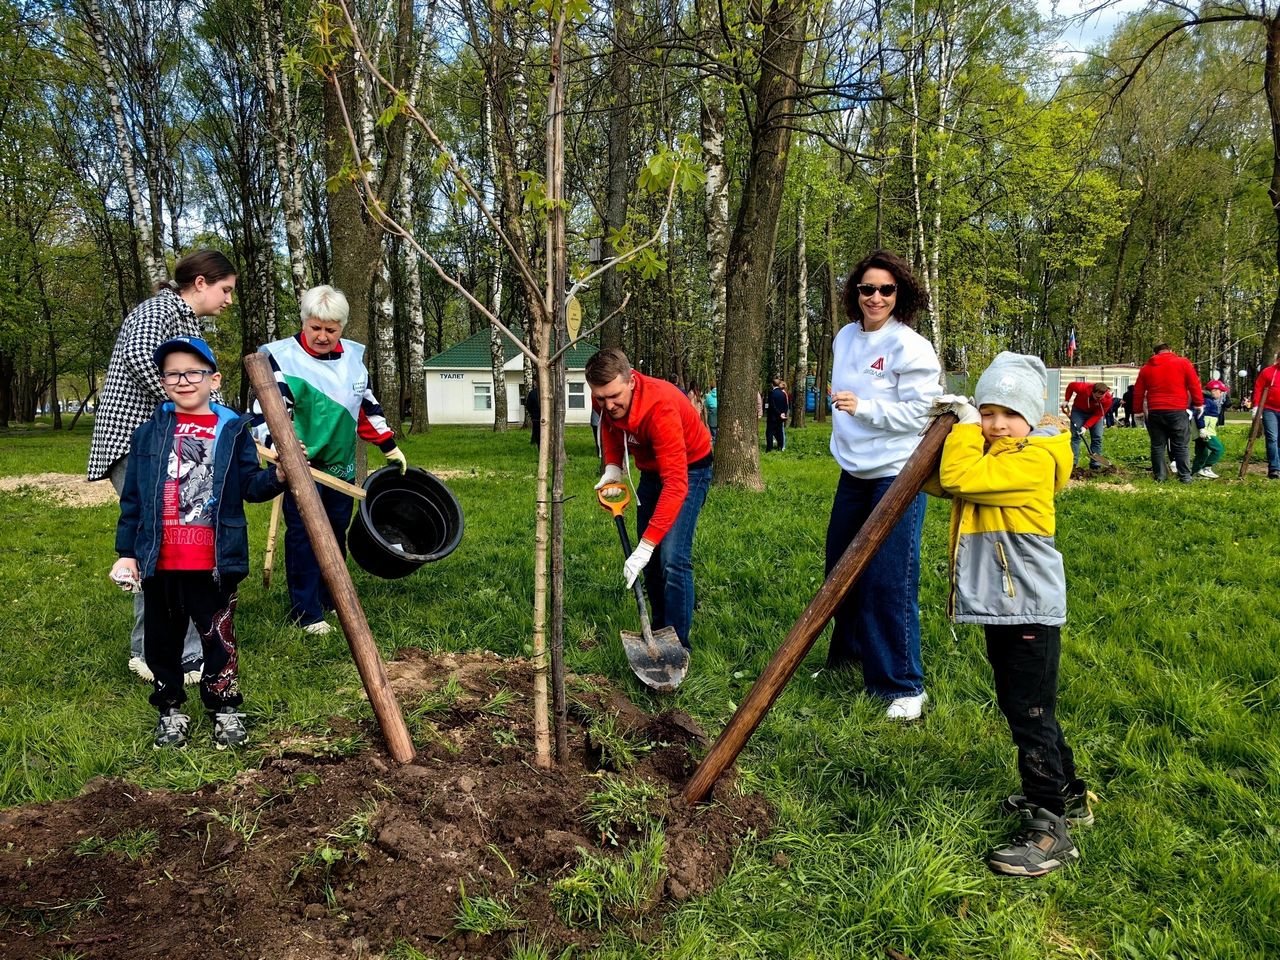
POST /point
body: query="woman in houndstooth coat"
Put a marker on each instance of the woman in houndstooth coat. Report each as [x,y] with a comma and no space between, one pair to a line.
[203,285]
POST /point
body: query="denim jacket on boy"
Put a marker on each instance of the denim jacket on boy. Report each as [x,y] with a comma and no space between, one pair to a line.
[237,477]
[1005,568]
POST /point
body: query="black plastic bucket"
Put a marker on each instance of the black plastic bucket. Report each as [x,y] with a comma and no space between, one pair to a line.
[406,520]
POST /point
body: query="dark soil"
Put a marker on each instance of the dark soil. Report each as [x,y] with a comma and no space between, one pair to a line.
[316,855]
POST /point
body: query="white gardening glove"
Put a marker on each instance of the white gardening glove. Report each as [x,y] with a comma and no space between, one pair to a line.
[1204,434]
[125,575]
[396,456]
[636,562]
[958,404]
[612,474]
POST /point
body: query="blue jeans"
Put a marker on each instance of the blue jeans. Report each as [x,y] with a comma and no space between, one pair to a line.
[668,577]
[879,620]
[308,596]
[1271,430]
[1078,417]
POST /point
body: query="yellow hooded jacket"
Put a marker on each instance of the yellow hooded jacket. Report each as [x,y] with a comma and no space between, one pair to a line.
[1005,568]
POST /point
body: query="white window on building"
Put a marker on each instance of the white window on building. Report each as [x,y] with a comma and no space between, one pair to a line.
[577,396]
[482,396]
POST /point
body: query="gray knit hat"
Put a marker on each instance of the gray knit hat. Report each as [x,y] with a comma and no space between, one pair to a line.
[1016,381]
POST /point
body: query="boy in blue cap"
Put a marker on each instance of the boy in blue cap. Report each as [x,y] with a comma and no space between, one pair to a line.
[182,537]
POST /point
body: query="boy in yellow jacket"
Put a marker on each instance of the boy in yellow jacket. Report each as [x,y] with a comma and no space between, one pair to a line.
[1002,473]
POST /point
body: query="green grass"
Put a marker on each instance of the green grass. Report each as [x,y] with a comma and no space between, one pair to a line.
[1170,695]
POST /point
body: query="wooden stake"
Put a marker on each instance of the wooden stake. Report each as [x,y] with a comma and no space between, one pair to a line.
[333,566]
[821,609]
[273,531]
[1253,431]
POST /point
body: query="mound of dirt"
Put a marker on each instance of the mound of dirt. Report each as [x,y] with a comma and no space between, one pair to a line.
[68,489]
[318,855]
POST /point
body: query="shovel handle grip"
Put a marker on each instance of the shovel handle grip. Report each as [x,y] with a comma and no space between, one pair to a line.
[637,587]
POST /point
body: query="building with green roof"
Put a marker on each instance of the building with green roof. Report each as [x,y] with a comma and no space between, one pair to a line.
[460,382]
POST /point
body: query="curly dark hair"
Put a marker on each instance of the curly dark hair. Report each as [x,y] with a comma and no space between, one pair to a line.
[911,298]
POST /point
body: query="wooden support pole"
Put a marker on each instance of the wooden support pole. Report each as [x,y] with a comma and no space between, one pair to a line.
[319,476]
[333,566]
[1254,428]
[273,533]
[821,609]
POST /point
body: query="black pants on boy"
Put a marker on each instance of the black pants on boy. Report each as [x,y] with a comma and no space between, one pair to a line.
[1024,658]
[1170,428]
[174,597]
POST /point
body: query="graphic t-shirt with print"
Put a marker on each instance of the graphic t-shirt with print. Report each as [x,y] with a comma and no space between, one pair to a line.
[188,489]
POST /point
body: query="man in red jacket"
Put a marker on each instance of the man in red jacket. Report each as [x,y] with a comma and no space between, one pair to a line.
[1089,403]
[1161,393]
[657,424]
[1269,380]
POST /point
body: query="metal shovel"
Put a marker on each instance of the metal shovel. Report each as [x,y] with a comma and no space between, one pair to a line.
[657,657]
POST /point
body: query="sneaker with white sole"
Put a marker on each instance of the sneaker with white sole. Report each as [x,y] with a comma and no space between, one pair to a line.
[1041,845]
[171,731]
[319,628]
[228,728]
[907,708]
[139,666]
[1207,473]
[1077,800]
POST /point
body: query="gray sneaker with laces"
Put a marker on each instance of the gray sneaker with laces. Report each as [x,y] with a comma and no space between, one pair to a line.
[1041,845]
[171,731]
[228,728]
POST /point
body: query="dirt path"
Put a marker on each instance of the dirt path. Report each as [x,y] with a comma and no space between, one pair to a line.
[318,855]
[68,489]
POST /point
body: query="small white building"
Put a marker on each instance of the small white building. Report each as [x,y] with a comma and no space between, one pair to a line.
[1119,377]
[460,383]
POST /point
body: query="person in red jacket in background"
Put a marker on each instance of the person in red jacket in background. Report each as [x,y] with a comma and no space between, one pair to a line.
[1269,380]
[1160,395]
[654,422]
[1089,405]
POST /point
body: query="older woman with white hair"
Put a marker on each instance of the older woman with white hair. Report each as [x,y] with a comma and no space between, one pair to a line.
[325,386]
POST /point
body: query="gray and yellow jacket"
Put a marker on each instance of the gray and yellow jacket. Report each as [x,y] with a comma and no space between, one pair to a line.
[1005,568]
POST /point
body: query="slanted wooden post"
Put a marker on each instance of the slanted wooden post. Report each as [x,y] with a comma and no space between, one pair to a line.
[1253,431]
[333,566]
[821,609]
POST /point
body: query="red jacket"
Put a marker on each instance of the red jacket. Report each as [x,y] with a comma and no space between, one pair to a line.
[664,433]
[1270,379]
[1164,383]
[1084,402]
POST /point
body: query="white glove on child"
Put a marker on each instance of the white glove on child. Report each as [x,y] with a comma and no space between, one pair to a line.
[125,575]
[958,404]
[612,474]
[1204,434]
[636,562]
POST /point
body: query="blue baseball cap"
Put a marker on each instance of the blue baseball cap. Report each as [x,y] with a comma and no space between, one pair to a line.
[187,344]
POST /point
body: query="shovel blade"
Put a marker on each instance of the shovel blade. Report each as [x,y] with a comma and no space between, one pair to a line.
[661,662]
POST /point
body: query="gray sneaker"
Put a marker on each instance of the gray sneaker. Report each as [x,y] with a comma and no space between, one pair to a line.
[228,728]
[1041,845]
[171,731]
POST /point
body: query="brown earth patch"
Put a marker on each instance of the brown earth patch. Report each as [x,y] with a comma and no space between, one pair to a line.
[68,489]
[314,855]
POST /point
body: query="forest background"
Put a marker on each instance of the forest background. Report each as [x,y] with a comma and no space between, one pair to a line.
[1122,194]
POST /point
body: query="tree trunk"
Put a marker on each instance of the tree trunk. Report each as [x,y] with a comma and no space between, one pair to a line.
[799,395]
[1271,83]
[751,247]
[619,174]
[712,118]
[284,137]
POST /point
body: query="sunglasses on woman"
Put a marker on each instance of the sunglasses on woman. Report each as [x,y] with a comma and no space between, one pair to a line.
[884,289]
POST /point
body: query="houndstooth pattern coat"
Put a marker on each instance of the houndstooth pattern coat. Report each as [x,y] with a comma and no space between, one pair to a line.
[132,388]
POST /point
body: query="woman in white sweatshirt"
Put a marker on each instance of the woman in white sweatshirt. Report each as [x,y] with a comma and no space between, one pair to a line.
[883,379]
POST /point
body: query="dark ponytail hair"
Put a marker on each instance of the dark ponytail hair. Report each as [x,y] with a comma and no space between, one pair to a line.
[911,298]
[210,264]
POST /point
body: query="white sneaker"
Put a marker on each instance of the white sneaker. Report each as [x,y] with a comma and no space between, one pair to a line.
[319,628]
[139,666]
[907,708]
[1206,472]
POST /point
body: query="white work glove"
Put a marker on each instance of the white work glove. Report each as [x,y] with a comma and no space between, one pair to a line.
[396,456]
[612,474]
[636,562]
[1204,434]
[958,404]
[125,575]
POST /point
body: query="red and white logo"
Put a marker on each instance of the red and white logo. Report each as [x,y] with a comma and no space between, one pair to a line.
[879,364]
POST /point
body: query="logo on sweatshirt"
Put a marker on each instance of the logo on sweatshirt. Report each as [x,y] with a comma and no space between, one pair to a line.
[877,367]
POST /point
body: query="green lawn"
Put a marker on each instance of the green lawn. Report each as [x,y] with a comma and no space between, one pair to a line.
[1170,697]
